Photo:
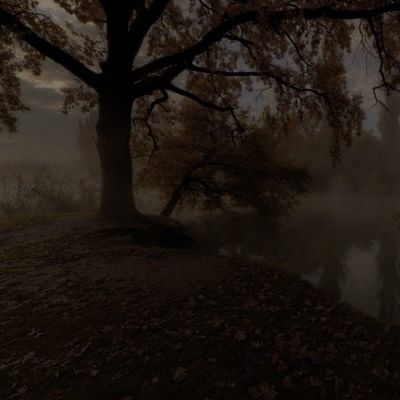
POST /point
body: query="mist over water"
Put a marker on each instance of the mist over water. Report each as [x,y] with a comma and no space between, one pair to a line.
[344,236]
[356,251]
[345,244]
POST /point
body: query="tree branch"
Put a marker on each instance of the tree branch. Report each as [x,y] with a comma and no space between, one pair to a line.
[196,68]
[49,50]
[280,80]
[206,104]
[187,55]
[145,120]
[152,83]
[229,23]
[268,74]
[144,20]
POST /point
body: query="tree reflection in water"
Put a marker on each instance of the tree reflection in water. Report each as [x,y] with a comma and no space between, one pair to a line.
[350,248]
[389,276]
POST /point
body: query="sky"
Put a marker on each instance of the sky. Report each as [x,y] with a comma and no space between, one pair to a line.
[45,134]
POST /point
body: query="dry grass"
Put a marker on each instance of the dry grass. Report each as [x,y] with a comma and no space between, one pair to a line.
[46,192]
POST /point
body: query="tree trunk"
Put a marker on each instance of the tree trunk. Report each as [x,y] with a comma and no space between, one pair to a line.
[175,197]
[172,202]
[113,144]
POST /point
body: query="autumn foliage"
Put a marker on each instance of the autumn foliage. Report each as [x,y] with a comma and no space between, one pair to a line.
[126,55]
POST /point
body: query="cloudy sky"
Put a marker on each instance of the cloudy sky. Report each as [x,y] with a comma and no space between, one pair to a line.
[46,134]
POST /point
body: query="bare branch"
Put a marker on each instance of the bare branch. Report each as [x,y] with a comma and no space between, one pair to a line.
[146,118]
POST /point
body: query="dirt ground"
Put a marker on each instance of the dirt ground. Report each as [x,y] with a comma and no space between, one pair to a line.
[89,313]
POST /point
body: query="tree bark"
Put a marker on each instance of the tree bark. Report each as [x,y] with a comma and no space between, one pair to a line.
[172,202]
[113,144]
[175,197]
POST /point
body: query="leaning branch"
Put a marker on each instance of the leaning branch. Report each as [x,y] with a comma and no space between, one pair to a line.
[49,49]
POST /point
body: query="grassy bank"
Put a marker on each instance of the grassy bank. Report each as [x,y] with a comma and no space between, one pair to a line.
[92,315]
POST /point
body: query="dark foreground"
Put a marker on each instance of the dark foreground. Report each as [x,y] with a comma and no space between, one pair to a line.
[89,315]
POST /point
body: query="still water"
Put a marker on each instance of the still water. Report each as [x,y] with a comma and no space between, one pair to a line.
[347,245]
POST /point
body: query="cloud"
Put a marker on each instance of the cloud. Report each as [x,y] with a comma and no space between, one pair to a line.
[52,77]
[57,13]
[44,134]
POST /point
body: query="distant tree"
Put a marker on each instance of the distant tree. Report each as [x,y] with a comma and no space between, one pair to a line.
[389,123]
[333,266]
[389,129]
[308,143]
[125,51]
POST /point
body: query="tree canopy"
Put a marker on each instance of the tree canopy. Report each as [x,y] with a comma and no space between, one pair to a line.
[138,53]
[204,162]
[159,40]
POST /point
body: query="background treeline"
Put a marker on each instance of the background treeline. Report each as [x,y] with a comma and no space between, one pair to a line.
[370,165]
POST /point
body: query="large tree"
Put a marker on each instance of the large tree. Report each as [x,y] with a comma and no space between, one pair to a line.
[137,52]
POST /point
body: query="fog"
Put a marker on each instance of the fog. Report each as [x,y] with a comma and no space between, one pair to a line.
[345,244]
[342,236]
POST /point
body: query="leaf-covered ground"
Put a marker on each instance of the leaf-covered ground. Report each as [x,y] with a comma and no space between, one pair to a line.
[89,315]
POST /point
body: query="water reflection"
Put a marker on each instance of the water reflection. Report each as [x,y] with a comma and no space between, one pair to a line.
[389,278]
[359,254]
[333,267]
[348,246]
